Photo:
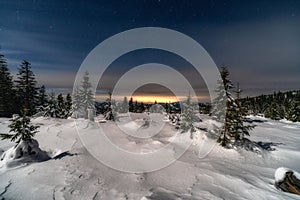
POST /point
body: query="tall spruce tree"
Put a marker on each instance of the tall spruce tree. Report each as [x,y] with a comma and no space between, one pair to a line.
[224,85]
[240,116]
[234,128]
[7,92]
[26,88]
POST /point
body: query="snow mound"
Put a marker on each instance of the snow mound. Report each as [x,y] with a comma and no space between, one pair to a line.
[162,193]
[24,152]
[280,174]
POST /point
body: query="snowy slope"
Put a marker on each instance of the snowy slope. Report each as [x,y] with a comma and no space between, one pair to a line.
[74,173]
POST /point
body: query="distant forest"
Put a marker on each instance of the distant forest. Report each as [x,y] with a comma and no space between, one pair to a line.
[279,105]
[23,93]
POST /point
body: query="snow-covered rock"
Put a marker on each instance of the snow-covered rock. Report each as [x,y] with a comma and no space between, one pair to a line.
[280,173]
[287,180]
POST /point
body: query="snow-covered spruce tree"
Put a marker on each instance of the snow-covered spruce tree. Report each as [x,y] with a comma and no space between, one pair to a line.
[42,100]
[224,85]
[188,117]
[86,96]
[42,96]
[7,96]
[26,88]
[293,112]
[124,106]
[233,129]
[76,103]
[68,106]
[50,109]
[240,116]
[60,107]
[274,111]
[110,113]
[82,98]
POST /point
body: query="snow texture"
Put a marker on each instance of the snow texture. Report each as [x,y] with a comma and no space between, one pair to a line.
[73,173]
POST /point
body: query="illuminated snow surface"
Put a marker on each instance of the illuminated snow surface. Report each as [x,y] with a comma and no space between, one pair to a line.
[73,173]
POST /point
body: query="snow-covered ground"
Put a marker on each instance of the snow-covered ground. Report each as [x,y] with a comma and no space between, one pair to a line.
[73,173]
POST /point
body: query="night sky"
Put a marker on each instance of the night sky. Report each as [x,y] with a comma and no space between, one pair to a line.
[259,41]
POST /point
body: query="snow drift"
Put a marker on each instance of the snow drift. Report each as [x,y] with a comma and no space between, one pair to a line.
[24,152]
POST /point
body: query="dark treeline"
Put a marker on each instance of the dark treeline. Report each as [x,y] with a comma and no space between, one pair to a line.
[279,105]
[22,94]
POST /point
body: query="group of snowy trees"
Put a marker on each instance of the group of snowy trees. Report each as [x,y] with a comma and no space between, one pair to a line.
[280,105]
[23,97]
[23,94]
[19,94]
[57,107]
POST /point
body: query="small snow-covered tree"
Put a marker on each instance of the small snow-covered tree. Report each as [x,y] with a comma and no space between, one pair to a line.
[110,113]
[21,128]
[189,117]
[50,109]
[83,99]
[124,106]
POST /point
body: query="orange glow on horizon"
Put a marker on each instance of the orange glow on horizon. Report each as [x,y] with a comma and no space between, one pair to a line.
[151,99]
[158,99]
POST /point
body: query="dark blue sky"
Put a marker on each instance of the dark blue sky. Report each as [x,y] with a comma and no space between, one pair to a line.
[259,41]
